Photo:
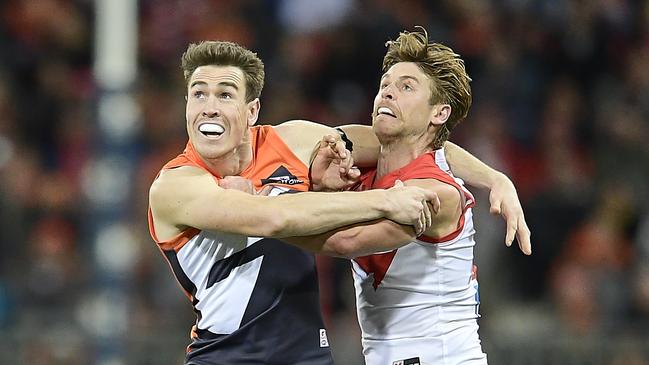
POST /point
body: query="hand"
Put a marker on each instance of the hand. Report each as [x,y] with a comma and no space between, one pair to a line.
[332,167]
[237,183]
[504,201]
[412,206]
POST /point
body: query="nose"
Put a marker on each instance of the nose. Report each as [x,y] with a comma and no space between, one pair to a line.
[211,109]
[387,92]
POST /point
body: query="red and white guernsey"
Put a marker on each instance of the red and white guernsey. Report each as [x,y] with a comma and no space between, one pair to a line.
[419,304]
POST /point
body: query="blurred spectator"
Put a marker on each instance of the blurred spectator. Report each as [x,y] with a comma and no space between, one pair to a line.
[591,277]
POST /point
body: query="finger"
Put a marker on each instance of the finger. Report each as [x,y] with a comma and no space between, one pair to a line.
[329,139]
[428,215]
[511,231]
[327,145]
[495,207]
[346,163]
[419,226]
[433,199]
[340,149]
[348,160]
[326,140]
[345,167]
[354,173]
[422,219]
[523,238]
[437,204]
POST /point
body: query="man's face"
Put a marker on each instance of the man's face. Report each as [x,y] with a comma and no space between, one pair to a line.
[217,113]
[402,104]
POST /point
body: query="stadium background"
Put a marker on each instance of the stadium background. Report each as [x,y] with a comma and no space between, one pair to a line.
[561,104]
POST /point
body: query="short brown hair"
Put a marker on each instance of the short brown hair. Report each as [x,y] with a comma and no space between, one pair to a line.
[444,67]
[222,53]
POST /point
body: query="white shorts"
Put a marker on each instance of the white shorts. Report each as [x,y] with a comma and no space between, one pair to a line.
[460,345]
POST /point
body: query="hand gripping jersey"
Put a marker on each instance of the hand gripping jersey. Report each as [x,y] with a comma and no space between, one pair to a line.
[419,304]
[256,299]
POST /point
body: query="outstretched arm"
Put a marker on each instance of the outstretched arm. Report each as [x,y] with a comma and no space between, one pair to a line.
[385,235]
[357,240]
[503,197]
[189,197]
[381,234]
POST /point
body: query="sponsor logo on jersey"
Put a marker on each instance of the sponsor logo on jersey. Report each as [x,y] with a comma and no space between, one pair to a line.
[410,361]
[281,176]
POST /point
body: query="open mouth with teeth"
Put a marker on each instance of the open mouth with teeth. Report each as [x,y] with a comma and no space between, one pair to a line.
[385,111]
[211,129]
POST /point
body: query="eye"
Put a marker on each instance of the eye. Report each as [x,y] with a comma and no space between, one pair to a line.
[383,86]
[226,96]
[198,94]
[407,87]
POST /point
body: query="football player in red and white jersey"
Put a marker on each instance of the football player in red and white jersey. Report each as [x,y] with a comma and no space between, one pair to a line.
[417,300]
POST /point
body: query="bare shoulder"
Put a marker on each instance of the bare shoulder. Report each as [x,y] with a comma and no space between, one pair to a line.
[301,136]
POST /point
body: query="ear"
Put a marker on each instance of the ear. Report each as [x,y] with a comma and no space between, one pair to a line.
[440,114]
[253,111]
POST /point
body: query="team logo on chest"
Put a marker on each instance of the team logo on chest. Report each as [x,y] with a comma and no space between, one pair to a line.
[281,176]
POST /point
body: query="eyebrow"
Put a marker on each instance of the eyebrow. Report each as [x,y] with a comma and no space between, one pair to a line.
[222,83]
[404,77]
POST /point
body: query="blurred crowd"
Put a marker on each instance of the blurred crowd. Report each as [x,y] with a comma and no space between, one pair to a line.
[561,105]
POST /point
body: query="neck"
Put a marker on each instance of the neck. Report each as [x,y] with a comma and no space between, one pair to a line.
[233,162]
[397,153]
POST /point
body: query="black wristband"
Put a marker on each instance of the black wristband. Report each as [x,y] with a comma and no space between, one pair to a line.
[348,143]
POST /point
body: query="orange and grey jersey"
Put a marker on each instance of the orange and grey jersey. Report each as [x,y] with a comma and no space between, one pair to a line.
[256,299]
[419,303]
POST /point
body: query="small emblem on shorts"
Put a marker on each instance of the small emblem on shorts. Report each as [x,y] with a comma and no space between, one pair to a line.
[410,361]
[324,342]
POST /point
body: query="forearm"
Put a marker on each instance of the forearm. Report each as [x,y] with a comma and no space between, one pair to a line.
[503,197]
[193,199]
[315,213]
[470,169]
[366,145]
[357,240]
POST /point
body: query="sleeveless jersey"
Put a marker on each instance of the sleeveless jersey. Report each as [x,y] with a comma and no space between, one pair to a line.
[418,304]
[256,299]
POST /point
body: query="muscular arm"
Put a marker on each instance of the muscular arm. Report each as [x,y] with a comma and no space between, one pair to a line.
[503,197]
[357,240]
[190,197]
[470,169]
[303,136]
[366,145]
[385,235]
